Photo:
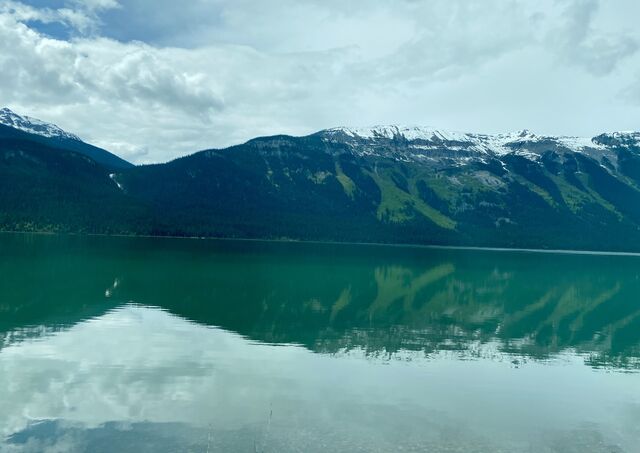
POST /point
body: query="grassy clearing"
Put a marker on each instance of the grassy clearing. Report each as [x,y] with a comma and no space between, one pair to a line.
[347,183]
[574,198]
[546,196]
[399,206]
[584,179]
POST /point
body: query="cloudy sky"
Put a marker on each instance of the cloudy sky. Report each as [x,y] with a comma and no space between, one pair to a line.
[155,79]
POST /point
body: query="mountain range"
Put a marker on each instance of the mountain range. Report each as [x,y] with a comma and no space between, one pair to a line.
[390,184]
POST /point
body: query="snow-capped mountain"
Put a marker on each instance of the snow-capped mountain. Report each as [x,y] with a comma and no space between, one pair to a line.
[414,143]
[32,130]
[34,125]
[381,184]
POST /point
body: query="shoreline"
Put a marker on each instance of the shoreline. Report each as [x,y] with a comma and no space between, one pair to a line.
[377,244]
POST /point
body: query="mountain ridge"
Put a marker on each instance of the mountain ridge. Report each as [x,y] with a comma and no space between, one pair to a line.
[33,125]
[387,184]
[430,138]
[15,126]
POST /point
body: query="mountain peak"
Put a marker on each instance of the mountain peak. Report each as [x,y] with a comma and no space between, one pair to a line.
[56,138]
[33,125]
[620,138]
[525,133]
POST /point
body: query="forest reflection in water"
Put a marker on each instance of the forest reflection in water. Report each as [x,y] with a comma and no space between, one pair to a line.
[335,297]
[181,345]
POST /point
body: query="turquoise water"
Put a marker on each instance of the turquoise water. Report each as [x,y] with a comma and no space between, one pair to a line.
[169,345]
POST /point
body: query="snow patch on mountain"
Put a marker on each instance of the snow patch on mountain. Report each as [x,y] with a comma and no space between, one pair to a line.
[407,132]
[425,139]
[623,138]
[33,125]
[113,177]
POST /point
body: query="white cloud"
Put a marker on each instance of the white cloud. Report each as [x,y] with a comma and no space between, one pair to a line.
[71,17]
[579,42]
[248,68]
[96,5]
[139,364]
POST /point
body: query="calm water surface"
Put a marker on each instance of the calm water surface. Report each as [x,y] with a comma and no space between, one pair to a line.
[167,345]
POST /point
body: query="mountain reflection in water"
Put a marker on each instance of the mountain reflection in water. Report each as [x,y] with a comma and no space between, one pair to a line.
[332,298]
[123,344]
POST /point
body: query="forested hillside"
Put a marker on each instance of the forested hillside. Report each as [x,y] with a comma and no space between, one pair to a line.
[386,184]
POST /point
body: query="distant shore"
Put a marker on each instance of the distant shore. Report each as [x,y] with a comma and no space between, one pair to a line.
[326,242]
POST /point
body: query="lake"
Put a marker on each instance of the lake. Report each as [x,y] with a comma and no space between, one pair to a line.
[179,345]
